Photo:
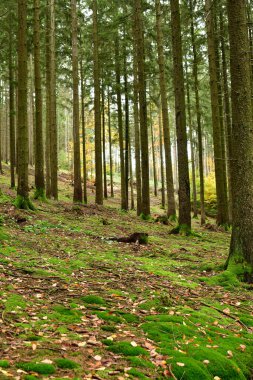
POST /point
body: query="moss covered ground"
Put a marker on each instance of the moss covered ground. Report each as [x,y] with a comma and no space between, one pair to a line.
[75,305]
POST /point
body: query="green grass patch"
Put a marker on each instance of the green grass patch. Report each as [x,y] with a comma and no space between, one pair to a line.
[15,301]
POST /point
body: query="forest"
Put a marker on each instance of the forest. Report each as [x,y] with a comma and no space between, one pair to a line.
[126,189]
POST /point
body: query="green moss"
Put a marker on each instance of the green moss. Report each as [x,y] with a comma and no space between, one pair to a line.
[30,377]
[4,364]
[93,300]
[41,368]
[227,279]
[130,318]
[23,203]
[108,317]
[14,301]
[219,365]
[126,349]
[109,328]
[191,370]
[137,374]
[107,342]
[65,315]
[40,195]
[66,364]
[139,362]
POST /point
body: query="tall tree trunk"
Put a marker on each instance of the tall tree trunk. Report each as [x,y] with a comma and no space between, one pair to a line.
[11,105]
[171,206]
[194,189]
[98,148]
[52,100]
[85,198]
[126,125]
[139,38]
[241,250]
[78,196]
[153,152]
[39,151]
[110,142]
[22,200]
[104,141]
[161,157]
[222,207]
[198,114]
[48,105]
[136,126]
[227,109]
[120,126]
[183,170]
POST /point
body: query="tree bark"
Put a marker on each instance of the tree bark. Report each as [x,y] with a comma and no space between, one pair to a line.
[96,73]
[183,170]
[139,38]
[171,206]
[78,196]
[39,151]
[222,207]
[241,249]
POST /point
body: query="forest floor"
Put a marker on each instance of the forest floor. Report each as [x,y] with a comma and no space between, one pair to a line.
[74,305]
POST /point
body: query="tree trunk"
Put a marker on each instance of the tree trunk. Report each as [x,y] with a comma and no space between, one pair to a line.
[48,105]
[52,100]
[198,114]
[22,200]
[39,151]
[183,170]
[136,125]
[139,40]
[120,126]
[11,105]
[227,109]
[171,206]
[153,152]
[78,196]
[110,143]
[104,152]
[98,148]
[241,250]
[222,207]
[194,189]
[161,158]
[85,198]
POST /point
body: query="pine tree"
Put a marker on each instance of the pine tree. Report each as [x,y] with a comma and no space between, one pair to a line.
[241,249]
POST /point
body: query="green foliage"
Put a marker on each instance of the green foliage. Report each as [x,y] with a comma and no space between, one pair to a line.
[23,203]
[66,364]
[4,364]
[41,368]
[30,377]
[126,349]
[93,300]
